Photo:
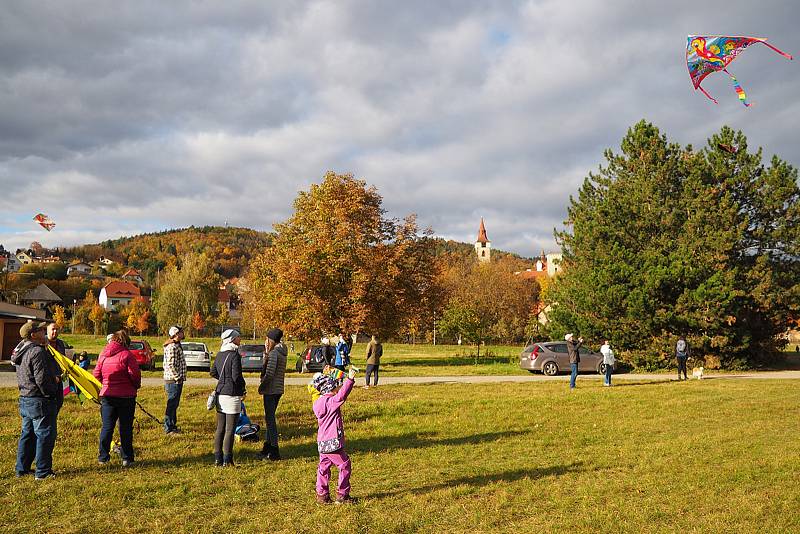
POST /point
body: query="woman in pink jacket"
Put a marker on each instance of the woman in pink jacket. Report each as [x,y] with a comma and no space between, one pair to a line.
[330,437]
[118,371]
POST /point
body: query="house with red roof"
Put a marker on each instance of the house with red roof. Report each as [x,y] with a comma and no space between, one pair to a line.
[117,294]
[133,275]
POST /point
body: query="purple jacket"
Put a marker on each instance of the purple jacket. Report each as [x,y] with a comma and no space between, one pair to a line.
[330,436]
[118,371]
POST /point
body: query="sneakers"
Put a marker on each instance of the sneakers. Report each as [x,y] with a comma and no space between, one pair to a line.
[323,499]
[175,433]
[127,463]
[45,477]
[366,387]
[102,463]
[21,474]
[346,499]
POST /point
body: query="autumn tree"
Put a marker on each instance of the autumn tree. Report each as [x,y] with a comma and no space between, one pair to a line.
[487,301]
[187,290]
[137,315]
[338,263]
[198,322]
[665,240]
[97,316]
[59,317]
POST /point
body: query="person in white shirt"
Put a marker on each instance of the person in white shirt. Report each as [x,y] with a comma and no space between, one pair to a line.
[608,360]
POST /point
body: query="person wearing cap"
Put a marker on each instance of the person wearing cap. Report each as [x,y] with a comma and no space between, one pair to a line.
[40,398]
[227,369]
[574,358]
[174,377]
[273,373]
[118,371]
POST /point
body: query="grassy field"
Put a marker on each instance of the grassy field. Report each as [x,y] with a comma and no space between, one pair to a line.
[398,360]
[710,456]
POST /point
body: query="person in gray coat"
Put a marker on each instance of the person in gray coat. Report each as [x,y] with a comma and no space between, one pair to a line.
[273,373]
[40,397]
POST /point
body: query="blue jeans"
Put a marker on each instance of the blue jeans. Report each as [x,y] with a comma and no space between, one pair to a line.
[574,375]
[270,406]
[113,409]
[173,400]
[609,370]
[38,437]
[372,370]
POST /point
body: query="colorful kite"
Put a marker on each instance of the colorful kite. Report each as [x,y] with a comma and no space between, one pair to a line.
[44,221]
[712,53]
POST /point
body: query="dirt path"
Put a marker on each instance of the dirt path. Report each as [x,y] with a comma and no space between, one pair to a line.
[8,379]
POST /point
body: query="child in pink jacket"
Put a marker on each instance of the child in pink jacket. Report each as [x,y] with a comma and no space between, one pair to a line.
[330,437]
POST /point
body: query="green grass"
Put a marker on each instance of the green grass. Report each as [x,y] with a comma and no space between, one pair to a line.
[711,456]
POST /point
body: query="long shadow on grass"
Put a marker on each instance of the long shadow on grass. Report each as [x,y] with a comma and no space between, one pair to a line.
[626,384]
[389,443]
[479,481]
[454,361]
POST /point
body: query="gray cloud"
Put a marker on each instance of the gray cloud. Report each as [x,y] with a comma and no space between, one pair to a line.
[121,118]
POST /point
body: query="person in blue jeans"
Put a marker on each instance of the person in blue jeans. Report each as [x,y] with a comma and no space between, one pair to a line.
[574,357]
[40,398]
[174,377]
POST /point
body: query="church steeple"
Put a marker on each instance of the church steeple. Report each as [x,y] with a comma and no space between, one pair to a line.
[483,247]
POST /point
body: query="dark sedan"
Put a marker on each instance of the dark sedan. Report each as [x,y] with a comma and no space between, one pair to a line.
[252,357]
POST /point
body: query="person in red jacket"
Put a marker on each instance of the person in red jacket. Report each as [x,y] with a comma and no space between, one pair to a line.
[118,371]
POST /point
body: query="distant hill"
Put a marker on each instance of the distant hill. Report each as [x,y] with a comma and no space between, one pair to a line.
[465,251]
[231,249]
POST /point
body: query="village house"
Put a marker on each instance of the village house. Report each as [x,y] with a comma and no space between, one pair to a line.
[12,317]
[79,269]
[117,294]
[25,257]
[133,275]
[48,259]
[40,297]
[483,247]
[10,263]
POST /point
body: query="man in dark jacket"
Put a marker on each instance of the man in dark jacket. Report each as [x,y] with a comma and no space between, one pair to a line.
[682,354]
[574,357]
[40,397]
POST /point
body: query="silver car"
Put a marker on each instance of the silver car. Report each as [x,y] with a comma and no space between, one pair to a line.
[551,357]
[196,355]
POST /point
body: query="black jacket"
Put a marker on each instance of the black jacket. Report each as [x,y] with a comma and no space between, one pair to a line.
[231,381]
[38,374]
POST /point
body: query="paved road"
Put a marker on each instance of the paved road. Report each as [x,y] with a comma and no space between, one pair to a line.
[8,379]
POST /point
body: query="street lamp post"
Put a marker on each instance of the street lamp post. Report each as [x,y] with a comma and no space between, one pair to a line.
[74,303]
[434,328]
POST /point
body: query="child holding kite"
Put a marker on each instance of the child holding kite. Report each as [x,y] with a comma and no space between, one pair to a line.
[333,392]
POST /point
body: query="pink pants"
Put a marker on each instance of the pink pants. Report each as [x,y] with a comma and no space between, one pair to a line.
[342,463]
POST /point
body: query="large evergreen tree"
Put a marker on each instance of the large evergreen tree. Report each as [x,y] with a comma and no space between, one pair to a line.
[664,241]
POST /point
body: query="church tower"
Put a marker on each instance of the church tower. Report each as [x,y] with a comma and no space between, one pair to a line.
[483,247]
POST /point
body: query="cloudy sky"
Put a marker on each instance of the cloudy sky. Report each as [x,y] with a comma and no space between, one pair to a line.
[123,117]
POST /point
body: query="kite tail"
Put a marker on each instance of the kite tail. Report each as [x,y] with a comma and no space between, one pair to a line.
[781,52]
[714,100]
[738,89]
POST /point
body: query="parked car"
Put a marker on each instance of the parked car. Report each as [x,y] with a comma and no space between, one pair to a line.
[143,353]
[196,355]
[252,357]
[315,358]
[552,357]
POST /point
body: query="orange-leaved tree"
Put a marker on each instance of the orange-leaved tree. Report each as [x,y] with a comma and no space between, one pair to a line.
[338,264]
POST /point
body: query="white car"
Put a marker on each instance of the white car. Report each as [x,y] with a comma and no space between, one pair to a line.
[196,355]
